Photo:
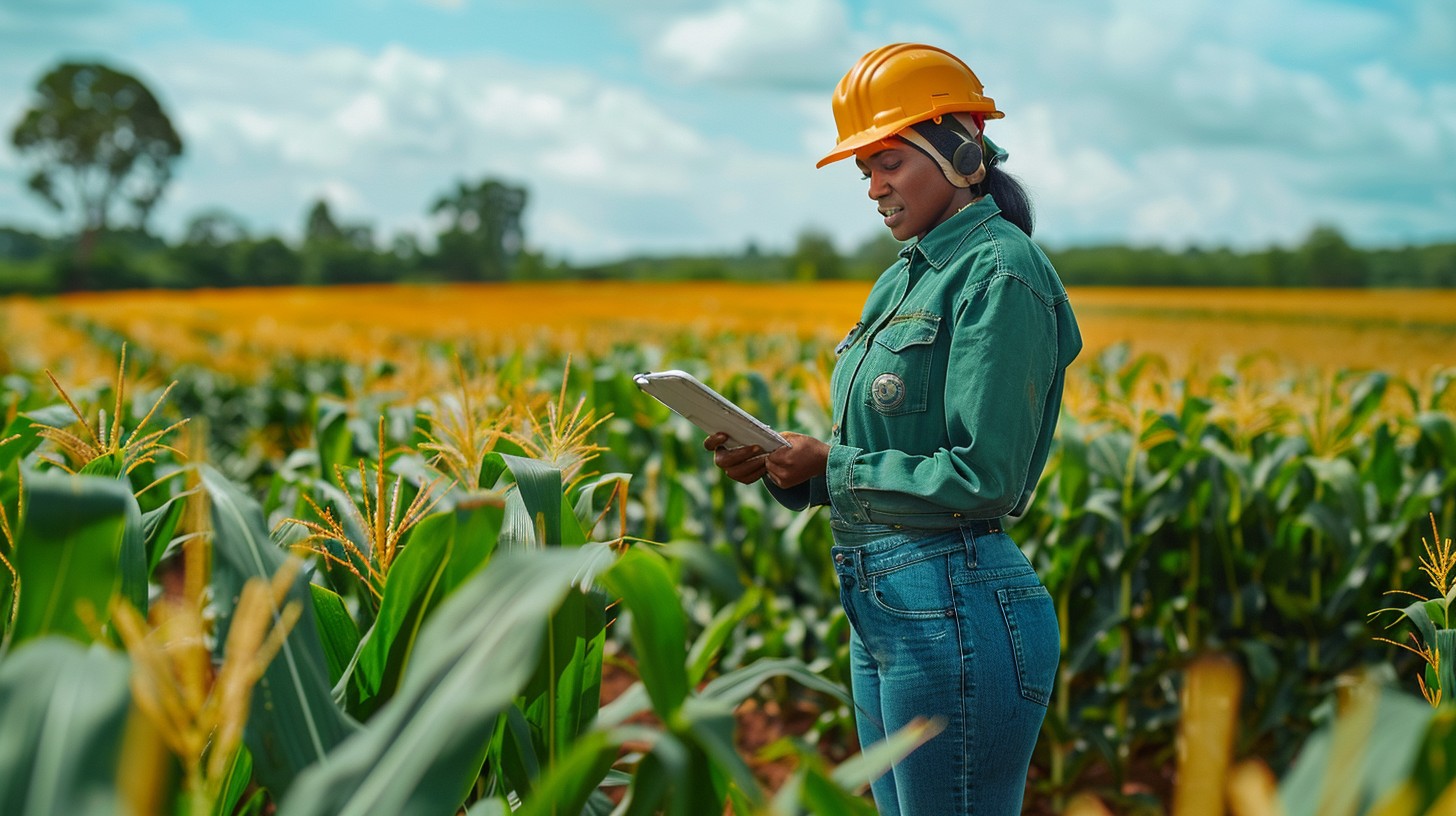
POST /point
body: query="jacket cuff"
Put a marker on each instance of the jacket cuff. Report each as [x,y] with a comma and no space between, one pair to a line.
[801,496]
[840,475]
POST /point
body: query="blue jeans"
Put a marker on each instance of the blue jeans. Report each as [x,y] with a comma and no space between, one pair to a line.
[953,625]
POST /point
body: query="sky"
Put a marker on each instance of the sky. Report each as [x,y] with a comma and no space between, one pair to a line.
[644,127]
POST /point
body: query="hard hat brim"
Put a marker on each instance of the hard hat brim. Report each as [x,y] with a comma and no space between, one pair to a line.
[848,147]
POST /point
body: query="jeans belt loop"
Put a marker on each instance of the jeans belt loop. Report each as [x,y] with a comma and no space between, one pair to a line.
[859,571]
[968,534]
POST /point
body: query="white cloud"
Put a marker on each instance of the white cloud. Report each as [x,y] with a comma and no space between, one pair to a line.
[380,136]
[757,41]
[1242,122]
[1190,121]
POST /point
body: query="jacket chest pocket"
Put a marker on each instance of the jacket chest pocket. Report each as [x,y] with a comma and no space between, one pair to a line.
[898,364]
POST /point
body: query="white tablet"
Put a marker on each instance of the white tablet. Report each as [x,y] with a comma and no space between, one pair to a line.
[710,411]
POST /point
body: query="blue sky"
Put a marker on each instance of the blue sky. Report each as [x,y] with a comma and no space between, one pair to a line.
[656,126]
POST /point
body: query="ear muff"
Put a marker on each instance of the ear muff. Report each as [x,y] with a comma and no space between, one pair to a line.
[951,140]
[967,158]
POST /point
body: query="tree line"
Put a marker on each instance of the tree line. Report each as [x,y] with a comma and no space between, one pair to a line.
[102,148]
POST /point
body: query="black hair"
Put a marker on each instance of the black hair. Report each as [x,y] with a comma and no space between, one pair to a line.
[1010,196]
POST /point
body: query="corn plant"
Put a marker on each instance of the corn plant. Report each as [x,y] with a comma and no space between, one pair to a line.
[473,679]
[1434,638]
[1248,507]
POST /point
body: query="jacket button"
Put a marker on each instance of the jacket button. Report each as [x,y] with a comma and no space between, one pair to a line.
[839,558]
[955,515]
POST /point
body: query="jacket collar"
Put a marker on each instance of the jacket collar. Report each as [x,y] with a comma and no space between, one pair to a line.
[942,243]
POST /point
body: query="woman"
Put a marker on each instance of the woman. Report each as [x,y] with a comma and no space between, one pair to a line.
[946,394]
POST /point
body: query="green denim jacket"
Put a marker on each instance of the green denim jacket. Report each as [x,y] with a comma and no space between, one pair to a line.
[947,391]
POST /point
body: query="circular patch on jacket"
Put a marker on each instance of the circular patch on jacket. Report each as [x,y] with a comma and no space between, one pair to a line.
[887,391]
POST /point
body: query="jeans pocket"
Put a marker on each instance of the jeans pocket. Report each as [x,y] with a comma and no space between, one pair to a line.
[1031,622]
[918,590]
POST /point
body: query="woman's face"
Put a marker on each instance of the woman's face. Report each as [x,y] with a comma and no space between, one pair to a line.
[910,191]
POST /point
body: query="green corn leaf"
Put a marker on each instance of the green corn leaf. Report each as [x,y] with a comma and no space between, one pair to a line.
[26,429]
[333,437]
[703,566]
[1339,766]
[516,754]
[111,465]
[667,762]
[441,552]
[857,772]
[63,709]
[1365,399]
[422,751]
[562,698]
[411,590]
[810,791]
[489,807]
[642,580]
[293,722]
[706,648]
[1434,766]
[569,783]
[709,724]
[736,686]
[135,569]
[518,527]
[1445,646]
[813,790]
[239,778]
[632,701]
[1438,433]
[585,510]
[256,805]
[158,526]
[599,803]
[337,630]
[70,552]
[1419,614]
[540,489]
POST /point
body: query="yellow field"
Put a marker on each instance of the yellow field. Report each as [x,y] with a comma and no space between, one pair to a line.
[1409,333]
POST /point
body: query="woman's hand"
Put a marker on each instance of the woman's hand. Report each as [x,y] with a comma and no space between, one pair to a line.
[805,458]
[746,464]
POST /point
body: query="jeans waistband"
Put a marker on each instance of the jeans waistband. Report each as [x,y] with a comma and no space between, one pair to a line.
[862,551]
[978,527]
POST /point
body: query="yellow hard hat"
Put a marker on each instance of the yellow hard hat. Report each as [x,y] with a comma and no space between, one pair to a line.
[895,86]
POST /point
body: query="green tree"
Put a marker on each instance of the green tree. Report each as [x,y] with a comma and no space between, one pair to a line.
[342,253]
[319,225]
[875,255]
[268,262]
[205,255]
[102,148]
[22,245]
[1332,261]
[814,258]
[215,227]
[482,234]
